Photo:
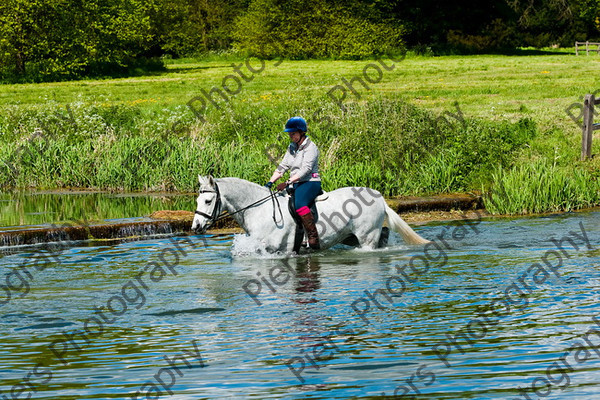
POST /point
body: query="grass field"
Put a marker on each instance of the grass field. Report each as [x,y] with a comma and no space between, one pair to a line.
[497,95]
[486,86]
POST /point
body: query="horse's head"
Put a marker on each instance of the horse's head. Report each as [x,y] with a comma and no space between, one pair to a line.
[208,204]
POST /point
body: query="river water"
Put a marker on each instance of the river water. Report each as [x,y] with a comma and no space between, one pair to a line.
[36,208]
[318,326]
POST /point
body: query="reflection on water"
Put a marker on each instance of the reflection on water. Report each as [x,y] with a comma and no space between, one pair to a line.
[305,324]
[44,208]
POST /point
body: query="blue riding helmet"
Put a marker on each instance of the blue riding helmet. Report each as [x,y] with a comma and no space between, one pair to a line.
[295,124]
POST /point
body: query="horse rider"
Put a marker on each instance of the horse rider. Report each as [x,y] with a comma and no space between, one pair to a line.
[302,160]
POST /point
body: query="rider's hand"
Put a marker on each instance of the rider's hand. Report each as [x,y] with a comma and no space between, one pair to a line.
[268,185]
[281,186]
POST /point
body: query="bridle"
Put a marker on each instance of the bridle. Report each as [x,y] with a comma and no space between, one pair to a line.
[216,215]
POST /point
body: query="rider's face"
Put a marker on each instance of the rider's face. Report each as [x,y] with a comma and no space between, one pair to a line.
[295,136]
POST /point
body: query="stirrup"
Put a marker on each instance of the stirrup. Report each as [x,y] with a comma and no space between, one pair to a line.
[304,242]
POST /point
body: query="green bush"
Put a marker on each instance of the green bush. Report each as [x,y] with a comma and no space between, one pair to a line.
[304,29]
[43,40]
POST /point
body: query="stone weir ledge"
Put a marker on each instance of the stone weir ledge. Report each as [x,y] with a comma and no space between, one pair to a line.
[176,222]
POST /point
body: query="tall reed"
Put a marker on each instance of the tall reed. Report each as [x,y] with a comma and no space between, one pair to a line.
[386,144]
[541,186]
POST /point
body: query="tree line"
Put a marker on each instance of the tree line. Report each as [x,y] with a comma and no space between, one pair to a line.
[66,39]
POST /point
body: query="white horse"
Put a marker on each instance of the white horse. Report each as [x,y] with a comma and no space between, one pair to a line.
[352,215]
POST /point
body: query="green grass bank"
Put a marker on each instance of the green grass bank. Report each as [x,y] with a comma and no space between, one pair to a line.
[491,123]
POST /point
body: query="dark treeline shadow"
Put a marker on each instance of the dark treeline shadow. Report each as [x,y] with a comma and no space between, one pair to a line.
[99,70]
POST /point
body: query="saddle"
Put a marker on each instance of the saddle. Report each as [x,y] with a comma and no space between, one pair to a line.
[299,234]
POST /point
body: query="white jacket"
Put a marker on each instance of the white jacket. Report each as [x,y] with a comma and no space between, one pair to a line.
[303,162]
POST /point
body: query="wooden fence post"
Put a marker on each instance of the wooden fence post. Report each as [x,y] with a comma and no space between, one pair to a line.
[588,126]
[587,47]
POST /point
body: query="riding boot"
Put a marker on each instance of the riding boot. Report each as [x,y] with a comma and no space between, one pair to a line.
[308,222]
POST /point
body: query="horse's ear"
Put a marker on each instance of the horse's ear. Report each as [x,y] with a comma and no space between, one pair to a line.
[199,178]
[211,180]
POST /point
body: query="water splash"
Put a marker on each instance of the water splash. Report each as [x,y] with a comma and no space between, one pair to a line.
[247,246]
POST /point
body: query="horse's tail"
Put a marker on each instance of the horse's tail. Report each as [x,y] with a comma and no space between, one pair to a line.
[398,225]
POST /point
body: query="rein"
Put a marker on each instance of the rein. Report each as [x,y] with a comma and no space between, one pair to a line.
[217,216]
[275,200]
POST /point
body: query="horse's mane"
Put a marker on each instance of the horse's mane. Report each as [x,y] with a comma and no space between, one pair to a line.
[252,190]
[242,182]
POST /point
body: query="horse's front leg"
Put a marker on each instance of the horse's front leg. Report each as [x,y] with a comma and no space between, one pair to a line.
[280,240]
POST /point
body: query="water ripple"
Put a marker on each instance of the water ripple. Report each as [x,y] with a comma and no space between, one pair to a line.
[308,307]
